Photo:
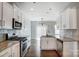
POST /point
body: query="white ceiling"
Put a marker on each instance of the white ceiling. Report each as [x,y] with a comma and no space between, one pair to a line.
[46,10]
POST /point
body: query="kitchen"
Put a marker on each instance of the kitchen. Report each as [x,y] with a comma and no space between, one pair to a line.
[12,29]
[39,29]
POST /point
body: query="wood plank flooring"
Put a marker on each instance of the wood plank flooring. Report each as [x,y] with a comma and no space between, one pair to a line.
[49,53]
[34,51]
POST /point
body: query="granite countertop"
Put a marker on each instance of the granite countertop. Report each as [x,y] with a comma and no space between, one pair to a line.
[6,44]
[49,36]
[67,39]
[64,39]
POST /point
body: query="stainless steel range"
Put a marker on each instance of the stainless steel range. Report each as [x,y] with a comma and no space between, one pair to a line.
[23,44]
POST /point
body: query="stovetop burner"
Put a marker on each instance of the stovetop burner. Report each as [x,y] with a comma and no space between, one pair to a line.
[18,38]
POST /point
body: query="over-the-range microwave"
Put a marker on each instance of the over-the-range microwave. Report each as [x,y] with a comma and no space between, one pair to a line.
[16,24]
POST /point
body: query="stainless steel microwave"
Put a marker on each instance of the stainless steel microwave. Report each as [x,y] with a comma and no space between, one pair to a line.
[16,24]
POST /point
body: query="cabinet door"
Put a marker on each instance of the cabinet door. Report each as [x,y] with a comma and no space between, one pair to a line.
[6,53]
[0,14]
[59,46]
[64,21]
[73,18]
[68,49]
[51,44]
[43,44]
[7,15]
[15,12]
[16,50]
[67,18]
[59,22]
[19,15]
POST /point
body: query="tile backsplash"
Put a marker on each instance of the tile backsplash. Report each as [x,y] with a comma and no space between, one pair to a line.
[71,33]
[10,32]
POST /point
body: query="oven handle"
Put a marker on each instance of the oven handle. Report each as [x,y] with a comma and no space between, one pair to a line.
[24,42]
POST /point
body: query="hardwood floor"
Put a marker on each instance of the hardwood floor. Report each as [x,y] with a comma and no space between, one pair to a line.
[34,51]
[49,53]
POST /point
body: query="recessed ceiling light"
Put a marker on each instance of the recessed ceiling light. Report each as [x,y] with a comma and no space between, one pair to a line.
[47,12]
[32,9]
[41,18]
[34,2]
[50,8]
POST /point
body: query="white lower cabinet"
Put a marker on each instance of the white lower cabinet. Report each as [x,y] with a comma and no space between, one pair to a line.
[70,49]
[43,44]
[48,43]
[6,53]
[16,50]
[13,51]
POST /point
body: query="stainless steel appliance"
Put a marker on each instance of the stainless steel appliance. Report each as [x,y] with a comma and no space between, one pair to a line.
[23,44]
[23,47]
[16,24]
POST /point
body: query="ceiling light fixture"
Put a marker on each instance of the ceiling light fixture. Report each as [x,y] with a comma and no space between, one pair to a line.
[32,9]
[47,12]
[34,2]
[42,21]
[50,8]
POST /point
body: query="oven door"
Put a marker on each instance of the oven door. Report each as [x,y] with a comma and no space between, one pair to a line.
[24,48]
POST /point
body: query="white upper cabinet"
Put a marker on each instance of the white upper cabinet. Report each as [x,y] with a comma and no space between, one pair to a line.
[69,18]
[65,19]
[0,15]
[17,14]
[59,22]
[7,16]
[74,18]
